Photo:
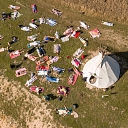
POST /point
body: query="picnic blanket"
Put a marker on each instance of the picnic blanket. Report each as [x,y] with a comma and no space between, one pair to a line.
[68,31]
[51,22]
[95,33]
[73,77]
[14,54]
[56,12]
[78,52]
[31,57]
[36,89]
[30,81]
[21,72]
[38,67]
[42,60]
[76,62]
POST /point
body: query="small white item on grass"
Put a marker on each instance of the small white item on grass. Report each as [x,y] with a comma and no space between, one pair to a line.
[64,39]
[57,35]
[104,96]
[107,23]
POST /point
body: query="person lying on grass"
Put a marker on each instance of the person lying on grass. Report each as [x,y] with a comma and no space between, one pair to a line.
[62,90]
[3,49]
[42,20]
[32,37]
[15,14]
[13,7]
[64,111]
[14,40]
[52,60]
[5,16]
[33,25]
[49,38]
[25,28]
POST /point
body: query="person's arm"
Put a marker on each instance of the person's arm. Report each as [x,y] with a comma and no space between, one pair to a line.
[65,107]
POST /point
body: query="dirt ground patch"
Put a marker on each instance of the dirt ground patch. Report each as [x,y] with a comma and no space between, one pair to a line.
[118,41]
[37,115]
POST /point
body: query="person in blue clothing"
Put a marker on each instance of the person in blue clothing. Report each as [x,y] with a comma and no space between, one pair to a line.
[46,97]
[34,8]
[64,111]
[52,79]
[49,38]
[58,70]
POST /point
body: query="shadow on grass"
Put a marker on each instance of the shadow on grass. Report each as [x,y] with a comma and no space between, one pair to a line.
[75,105]
[19,65]
[52,96]
[122,59]
[113,93]
[31,50]
[15,66]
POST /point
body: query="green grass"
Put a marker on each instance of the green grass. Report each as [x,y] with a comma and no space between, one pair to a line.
[94,112]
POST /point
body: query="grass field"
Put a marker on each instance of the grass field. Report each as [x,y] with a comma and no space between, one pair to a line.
[94,111]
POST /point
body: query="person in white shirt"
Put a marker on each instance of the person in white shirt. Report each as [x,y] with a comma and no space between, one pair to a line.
[25,28]
[15,14]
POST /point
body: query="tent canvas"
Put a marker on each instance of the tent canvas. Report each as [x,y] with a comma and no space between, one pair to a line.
[105,69]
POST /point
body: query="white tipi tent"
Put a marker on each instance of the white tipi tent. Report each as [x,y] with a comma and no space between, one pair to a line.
[104,69]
